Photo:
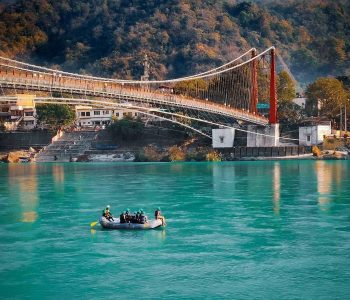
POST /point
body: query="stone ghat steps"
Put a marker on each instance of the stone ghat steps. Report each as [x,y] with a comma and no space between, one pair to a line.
[67,147]
[78,136]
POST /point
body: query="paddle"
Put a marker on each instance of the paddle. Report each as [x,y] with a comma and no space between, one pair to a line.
[92,224]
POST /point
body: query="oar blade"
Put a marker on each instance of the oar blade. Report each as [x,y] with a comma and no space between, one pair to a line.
[92,224]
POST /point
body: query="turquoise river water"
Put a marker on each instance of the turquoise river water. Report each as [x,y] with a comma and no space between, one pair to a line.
[238,230]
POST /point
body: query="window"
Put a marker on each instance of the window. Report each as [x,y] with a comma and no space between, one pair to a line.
[221,139]
[308,138]
[117,114]
[88,114]
[82,113]
[106,112]
[29,113]
[97,112]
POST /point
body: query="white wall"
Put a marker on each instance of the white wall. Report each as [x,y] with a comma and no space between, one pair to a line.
[268,136]
[223,137]
[300,101]
[307,135]
[102,117]
[313,135]
[323,130]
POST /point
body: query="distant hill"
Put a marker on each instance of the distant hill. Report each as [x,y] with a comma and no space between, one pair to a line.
[181,37]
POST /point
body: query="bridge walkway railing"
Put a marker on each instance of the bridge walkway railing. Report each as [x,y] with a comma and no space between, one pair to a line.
[75,86]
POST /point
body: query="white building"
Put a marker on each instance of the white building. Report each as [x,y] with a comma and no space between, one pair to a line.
[88,116]
[313,134]
[19,113]
[223,137]
[300,101]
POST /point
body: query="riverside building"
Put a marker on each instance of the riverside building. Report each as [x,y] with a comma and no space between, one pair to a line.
[88,116]
[19,113]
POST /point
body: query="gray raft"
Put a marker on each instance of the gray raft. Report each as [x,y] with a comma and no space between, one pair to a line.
[151,224]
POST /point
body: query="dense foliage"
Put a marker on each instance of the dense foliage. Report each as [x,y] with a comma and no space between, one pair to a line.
[290,115]
[326,97]
[2,125]
[180,37]
[285,87]
[126,128]
[55,115]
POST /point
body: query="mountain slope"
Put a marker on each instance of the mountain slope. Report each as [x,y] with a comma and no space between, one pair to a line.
[181,37]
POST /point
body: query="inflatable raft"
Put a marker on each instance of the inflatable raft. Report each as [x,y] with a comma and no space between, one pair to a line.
[151,224]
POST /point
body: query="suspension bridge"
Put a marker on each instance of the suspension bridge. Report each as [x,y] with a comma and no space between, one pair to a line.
[226,96]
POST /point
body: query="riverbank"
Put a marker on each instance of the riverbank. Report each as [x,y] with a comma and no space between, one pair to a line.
[172,154]
[176,154]
[18,156]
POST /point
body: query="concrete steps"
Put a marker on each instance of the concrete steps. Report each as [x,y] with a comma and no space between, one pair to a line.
[69,146]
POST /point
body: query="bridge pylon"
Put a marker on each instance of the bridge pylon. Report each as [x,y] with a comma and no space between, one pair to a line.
[273,93]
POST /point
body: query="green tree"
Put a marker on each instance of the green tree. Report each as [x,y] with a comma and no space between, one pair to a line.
[127,128]
[325,97]
[2,125]
[190,87]
[285,87]
[290,115]
[55,115]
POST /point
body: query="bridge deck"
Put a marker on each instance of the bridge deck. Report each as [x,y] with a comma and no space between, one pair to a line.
[46,82]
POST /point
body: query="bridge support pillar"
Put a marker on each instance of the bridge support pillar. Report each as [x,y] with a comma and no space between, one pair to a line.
[273,94]
[263,136]
[223,137]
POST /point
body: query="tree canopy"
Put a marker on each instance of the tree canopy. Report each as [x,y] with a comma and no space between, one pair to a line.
[55,115]
[180,37]
[290,115]
[326,96]
[285,87]
[126,128]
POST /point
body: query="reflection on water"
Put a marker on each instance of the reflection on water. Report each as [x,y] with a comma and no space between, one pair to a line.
[246,181]
[23,184]
[58,174]
[327,175]
[159,234]
[276,187]
[233,181]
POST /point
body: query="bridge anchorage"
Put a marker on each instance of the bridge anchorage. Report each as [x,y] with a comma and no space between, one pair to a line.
[226,97]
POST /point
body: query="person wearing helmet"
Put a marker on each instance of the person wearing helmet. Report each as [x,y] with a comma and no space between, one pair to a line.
[143,217]
[137,216]
[127,215]
[134,217]
[107,213]
[122,217]
[158,216]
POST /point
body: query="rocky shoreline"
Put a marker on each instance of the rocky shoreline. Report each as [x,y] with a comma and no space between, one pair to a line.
[172,154]
[130,157]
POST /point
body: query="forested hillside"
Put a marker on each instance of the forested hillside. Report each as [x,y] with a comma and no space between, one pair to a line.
[181,37]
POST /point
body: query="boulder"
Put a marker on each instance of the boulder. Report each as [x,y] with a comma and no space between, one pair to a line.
[83,158]
[31,150]
[17,156]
